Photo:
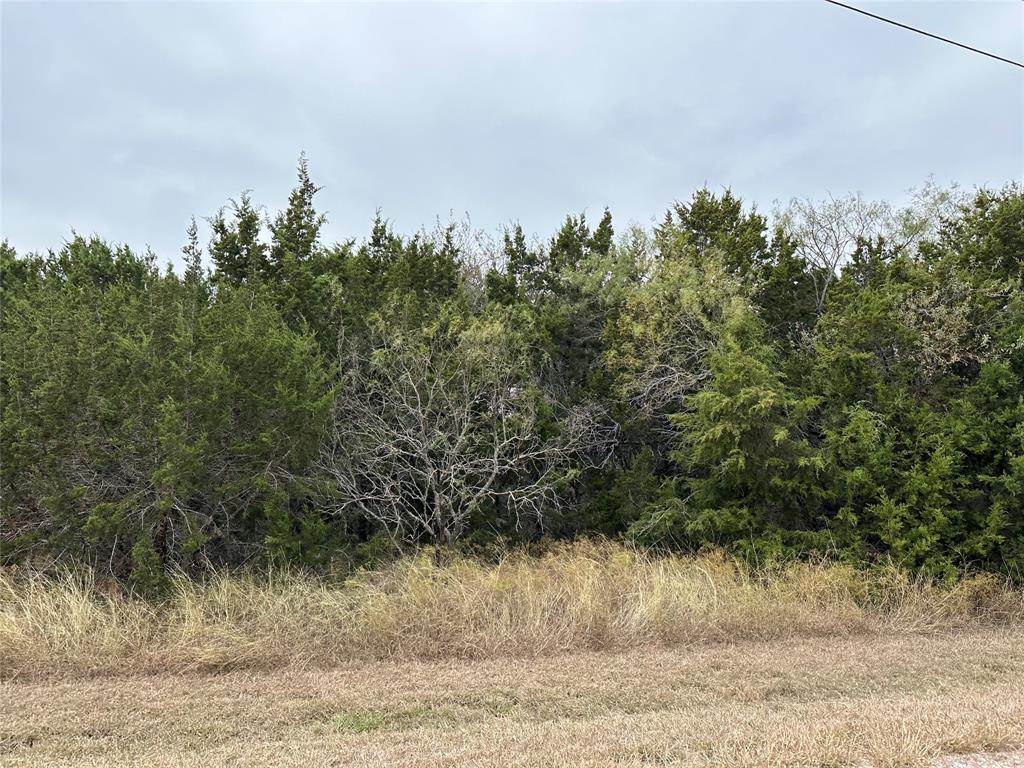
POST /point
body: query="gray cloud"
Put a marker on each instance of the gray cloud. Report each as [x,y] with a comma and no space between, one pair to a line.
[126,119]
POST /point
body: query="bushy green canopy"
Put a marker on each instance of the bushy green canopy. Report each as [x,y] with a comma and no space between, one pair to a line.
[840,377]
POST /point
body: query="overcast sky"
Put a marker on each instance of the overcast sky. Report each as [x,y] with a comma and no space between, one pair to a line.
[126,119]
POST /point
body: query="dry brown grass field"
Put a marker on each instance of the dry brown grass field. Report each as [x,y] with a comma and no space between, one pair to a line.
[591,655]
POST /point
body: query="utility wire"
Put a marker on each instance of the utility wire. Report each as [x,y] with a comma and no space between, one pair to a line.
[926,34]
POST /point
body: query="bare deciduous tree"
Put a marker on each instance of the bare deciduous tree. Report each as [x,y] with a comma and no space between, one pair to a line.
[430,429]
[827,232]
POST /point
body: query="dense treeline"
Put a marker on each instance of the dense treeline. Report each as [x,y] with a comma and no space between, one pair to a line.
[846,378]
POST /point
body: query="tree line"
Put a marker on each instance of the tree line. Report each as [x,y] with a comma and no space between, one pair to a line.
[844,377]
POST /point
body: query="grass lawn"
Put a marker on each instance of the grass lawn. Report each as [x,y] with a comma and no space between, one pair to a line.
[899,699]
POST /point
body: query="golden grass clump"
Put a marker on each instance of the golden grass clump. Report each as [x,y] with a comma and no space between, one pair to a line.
[576,597]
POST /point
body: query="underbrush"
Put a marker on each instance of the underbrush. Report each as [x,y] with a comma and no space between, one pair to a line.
[582,596]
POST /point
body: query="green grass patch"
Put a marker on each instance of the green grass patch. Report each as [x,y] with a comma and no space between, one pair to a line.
[369,720]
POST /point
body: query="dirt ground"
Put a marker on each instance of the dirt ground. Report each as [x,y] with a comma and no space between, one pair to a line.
[900,700]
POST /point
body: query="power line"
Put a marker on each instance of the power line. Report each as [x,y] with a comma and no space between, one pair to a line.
[926,34]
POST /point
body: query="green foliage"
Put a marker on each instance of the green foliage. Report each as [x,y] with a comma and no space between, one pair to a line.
[760,399]
[238,253]
[749,465]
[142,411]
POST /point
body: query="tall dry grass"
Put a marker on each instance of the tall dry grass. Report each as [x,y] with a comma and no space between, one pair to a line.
[585,596]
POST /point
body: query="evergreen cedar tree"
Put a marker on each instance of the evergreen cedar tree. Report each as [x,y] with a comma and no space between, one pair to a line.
[714,382]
